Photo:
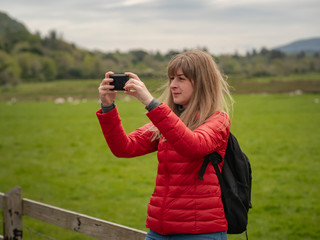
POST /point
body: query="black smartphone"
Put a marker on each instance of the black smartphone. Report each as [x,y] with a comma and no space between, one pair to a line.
[119,80]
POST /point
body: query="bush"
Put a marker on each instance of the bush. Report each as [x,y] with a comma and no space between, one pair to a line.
[9,70]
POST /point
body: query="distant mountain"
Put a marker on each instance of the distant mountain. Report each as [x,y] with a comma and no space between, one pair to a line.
[310,45]
[9,26]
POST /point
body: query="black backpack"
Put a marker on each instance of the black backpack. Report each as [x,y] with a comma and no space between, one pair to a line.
[235,182]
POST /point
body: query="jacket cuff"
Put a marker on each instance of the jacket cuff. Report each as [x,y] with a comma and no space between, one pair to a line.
[106,109]
[160,113]
[153,104]
[106,118]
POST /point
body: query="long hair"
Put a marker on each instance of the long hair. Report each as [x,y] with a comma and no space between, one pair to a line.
[211,91]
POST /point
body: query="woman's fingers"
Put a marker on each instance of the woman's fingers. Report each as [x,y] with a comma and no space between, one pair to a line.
[135,83]
[133,75]
[107,96]
[139,91]
[106,87]
[106,81]
[107,75]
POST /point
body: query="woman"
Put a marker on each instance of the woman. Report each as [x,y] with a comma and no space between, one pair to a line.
[191,124]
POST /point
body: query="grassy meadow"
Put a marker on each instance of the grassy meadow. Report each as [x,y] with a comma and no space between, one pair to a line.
[57,154]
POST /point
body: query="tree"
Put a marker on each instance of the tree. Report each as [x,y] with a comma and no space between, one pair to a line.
[274,54]
[31,66]
[138,55]
[90,66]
[65,63]
[9,70]
[49,68]
[264,51]
[301,55]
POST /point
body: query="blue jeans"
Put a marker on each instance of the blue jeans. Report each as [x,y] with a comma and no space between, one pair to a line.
[206,236]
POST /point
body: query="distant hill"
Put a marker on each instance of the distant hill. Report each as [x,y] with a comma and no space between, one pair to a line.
[9,26]
[311,45]
[30,57]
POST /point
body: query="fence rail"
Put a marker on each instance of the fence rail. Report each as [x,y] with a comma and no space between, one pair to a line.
[1,207]
[14,207]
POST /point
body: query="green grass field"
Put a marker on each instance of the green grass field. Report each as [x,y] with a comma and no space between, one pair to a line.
[87,89]
[57,154]
[79,89]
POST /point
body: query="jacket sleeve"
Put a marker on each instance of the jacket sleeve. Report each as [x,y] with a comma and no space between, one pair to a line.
[121,144]
[209,137]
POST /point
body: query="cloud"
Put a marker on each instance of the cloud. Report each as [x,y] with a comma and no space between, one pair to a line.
[135,2]
[220,25]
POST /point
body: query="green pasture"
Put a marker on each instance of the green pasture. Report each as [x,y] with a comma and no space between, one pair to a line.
[87,89]
[57,154]
[80,89]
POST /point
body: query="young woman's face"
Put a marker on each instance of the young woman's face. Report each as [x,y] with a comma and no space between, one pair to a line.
[181,88]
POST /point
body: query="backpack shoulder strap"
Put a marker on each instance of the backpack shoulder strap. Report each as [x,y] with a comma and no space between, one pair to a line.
[219,175]
[215,159]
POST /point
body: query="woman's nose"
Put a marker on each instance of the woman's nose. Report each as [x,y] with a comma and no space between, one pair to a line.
[173,83]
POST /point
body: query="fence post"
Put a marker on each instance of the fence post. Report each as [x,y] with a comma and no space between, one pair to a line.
[12,214]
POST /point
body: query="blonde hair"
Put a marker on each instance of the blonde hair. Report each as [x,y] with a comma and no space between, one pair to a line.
[211,91]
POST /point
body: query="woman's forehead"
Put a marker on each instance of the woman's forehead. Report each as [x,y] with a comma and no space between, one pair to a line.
[179,71]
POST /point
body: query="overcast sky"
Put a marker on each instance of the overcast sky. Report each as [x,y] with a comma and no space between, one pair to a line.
[223,26]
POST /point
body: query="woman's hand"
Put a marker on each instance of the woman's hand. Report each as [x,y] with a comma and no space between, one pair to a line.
[139,91]
[106,95]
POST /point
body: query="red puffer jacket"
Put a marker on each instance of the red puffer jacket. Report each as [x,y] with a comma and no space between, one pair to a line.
[181,203]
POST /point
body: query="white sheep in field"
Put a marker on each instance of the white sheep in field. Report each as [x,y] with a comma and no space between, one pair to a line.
[59,101]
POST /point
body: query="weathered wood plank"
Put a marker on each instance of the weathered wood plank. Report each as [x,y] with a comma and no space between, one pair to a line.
[12,214]
[79,222]
[1,206]
[1,200]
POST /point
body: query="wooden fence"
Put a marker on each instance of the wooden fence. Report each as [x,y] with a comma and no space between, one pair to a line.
[14,207]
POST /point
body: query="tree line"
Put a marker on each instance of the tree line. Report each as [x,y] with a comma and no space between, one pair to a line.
[26,57]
